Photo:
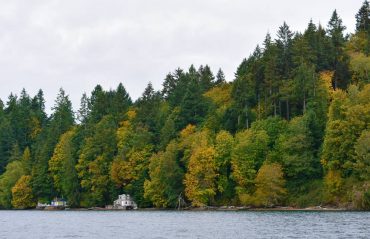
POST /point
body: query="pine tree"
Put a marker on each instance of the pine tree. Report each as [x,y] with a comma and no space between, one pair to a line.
[206,78]
[61,120]
[83,112]
[363,18]
[284,46]
[340,60]
[220,77]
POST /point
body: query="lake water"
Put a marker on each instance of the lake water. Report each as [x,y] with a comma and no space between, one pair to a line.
[173,224]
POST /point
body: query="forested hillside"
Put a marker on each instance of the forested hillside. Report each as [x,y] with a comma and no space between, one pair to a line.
[292,128]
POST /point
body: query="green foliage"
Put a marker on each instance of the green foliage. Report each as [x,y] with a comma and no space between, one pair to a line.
[60,121]
[225,185]
[249,153]
[14,171]
[129,169]
[363,18]
[362,155]
[166,176]
[340,59]
[361,196]
[94,163]
[102,103]
[360,65]
[294,152]
[348,118]
[309,194]
[273,126]
[205,139]
[62,168]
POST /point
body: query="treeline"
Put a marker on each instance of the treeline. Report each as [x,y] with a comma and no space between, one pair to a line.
[292,128]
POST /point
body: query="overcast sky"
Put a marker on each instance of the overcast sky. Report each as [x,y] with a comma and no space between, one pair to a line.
[78,44]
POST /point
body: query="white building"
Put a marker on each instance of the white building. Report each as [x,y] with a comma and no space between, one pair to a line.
[57,202]
[124,201]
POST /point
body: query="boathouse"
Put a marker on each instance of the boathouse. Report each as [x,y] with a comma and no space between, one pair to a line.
[124,201]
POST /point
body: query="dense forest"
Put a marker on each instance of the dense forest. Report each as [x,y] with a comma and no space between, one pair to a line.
[291,128]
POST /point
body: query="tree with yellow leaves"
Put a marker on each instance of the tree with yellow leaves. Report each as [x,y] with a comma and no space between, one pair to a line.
[200,187]
[199,181]
[129,168]
[270,185]
[22,194]
[62,168]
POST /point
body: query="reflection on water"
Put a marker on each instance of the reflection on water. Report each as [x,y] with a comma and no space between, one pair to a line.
[173,224]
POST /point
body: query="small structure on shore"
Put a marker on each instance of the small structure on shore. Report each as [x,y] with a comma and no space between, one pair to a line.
[56,204]
[124,201]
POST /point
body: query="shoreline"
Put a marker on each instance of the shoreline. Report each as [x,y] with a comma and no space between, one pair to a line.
[203,209]
[220,209]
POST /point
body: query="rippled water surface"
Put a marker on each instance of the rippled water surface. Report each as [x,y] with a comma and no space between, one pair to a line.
[173,224]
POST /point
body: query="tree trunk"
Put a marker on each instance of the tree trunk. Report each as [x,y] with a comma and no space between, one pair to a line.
[314,85]
[287,109]
[280,107]
[246,116]
[259,107]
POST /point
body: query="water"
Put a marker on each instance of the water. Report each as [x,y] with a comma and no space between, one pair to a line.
[173,224]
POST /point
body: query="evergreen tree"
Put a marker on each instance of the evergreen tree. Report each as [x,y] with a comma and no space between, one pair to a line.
[363,18]
[98,104]
[340,60]
[206,78]
[284,46]
[193,107]
[220,77]
[61,120]
[121,100]
[93,167]
[84,111]
[7,140]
